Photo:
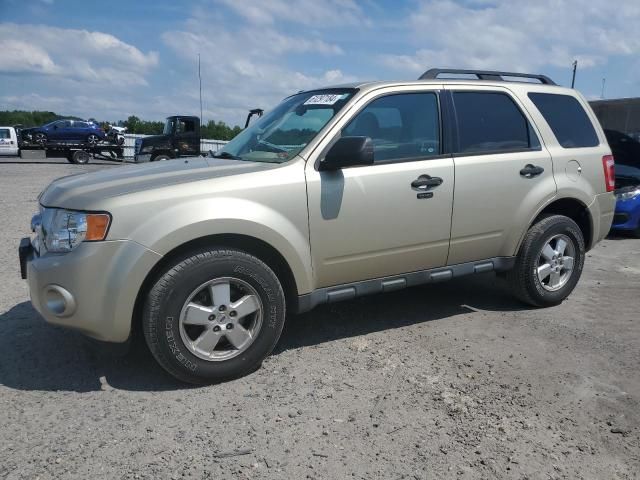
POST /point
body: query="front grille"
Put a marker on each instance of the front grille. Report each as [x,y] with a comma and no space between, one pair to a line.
[620,218]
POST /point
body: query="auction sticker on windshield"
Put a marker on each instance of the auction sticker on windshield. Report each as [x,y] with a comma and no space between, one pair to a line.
[325,99]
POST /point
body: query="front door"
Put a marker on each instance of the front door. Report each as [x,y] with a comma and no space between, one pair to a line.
[187,137]
[503,174]
[391,217]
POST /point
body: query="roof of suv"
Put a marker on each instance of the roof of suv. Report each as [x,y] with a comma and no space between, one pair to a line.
[482,78]
[371,85]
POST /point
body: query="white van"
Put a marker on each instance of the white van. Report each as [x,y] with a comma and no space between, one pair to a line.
[8,141]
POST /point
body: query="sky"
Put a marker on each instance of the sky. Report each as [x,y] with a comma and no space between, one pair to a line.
[111,59]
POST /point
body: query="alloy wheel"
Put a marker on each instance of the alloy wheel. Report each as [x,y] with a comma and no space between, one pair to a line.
[555,262]
[221,319]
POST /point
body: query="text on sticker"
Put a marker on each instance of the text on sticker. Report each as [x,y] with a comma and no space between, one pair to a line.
[326,99]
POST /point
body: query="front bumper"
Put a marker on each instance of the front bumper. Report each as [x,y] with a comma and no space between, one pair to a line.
[139,158]
[92,289]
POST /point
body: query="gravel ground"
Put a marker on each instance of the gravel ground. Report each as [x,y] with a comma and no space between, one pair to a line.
[456,380]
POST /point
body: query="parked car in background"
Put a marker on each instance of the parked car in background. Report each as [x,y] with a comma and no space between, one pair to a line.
[626,151]
[65,131]
[8,141]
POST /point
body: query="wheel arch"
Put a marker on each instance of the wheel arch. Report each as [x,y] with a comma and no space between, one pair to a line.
[572,208]
[157,153]
[252,245]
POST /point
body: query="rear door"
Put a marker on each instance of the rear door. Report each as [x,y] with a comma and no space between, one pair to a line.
[502,171]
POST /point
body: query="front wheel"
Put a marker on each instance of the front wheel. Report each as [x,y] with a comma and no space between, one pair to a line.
[549,263]
[41,139]
[213,315]
[161,157]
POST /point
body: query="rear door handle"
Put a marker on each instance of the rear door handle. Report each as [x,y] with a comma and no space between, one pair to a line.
[426,182]
[530,171]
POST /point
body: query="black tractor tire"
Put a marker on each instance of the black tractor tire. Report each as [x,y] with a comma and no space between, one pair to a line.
[79,157]
[524,279]
[164,329]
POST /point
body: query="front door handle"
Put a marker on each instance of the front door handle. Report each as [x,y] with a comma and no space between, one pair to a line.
[426,182]
[530,171]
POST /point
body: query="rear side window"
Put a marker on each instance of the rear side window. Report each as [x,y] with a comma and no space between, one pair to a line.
[567,119]
[491,122]
[4,133]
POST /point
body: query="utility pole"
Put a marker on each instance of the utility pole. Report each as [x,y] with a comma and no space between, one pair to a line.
[604,80]
[200,81]
[573,78]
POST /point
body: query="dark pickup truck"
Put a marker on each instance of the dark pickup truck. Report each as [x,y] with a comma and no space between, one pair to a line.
[180,138]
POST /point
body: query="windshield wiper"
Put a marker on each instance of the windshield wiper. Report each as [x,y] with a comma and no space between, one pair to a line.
[226,155]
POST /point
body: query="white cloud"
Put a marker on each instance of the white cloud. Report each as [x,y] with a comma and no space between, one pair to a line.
[77,55]
[244,66]
[319,14]
[519,34]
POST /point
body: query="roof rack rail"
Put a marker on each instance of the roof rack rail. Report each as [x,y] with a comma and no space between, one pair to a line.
[433,74]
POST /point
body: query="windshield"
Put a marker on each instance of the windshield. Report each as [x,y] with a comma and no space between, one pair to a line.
[284,131]
[169,126]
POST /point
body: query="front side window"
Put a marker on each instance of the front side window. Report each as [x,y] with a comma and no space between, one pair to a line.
[282,133]
[401,126]
[169,126]
[567,119]
[491,122]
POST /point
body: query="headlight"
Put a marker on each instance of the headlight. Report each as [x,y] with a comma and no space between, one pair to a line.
[628,193]
[63,230]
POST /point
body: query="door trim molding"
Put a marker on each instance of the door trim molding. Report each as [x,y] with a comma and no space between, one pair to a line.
[351,290]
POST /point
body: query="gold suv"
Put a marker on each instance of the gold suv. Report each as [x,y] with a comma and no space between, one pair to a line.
[335,193]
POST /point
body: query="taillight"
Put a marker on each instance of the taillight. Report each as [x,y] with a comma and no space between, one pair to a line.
[609,172]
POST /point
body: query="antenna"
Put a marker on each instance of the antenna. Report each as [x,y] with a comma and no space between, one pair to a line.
[200,82]
[604,80]
[573,78]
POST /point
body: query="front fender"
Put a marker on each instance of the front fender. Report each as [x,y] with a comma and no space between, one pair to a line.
[183,222]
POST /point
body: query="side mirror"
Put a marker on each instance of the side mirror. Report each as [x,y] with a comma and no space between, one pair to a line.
[348,152]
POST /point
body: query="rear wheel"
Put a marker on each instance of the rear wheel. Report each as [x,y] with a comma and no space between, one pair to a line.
[214,315]
[79,157]
[93,139]
[549,263]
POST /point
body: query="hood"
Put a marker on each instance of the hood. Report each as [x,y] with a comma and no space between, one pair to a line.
[84,191]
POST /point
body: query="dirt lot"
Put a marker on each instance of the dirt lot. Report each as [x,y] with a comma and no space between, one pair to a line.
[456,380]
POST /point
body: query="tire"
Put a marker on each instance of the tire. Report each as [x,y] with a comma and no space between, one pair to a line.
[93,139]
[40,139]
[168,323]
[160,157]
[552,289]
[80,157]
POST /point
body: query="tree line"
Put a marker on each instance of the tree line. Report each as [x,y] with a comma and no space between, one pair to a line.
[212,129]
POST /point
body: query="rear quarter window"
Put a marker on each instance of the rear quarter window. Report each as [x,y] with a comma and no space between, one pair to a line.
[568,120]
